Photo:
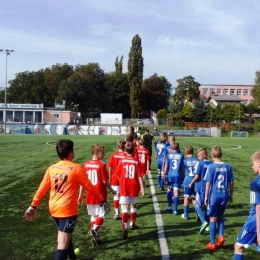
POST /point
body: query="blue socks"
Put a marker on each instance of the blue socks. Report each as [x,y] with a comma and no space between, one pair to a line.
[185,211]
[200,214]
[238,256]
[212,232]
[169,198]
[61,254]
[176,203]
[220,226]
[159,178]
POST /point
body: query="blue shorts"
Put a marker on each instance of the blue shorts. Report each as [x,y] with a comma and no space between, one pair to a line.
[66,225]
[159,167]
[247,235]
[174,185]
[199,199]
[217,206]
[190,193]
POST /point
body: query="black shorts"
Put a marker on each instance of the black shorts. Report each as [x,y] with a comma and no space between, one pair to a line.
[67,224]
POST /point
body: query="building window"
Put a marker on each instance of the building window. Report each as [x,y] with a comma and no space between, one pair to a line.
[205,91]
[55,115]
[251,92]
[239,92]
[245,102]
[219,91]
[232,92]
[225,92]
[245,91]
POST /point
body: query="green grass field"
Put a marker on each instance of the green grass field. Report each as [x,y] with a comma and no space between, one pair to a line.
[24,159]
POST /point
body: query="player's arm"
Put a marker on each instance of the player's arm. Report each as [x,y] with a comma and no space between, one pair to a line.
[231,188]
[196,177]
[141,186]
[110,171]
[80,197]
[108,186]
[257,215]
[206,193]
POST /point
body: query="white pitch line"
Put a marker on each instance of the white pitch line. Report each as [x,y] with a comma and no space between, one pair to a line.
[235,148]
[159,222]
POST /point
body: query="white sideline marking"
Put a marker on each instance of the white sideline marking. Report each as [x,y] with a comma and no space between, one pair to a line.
[235,148]
[159,222]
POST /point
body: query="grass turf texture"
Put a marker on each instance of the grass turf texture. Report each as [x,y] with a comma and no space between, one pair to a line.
[24,159]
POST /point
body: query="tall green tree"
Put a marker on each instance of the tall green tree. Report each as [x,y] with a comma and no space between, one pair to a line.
[155,93]
[187,89]
[119,65]
[199,111]
[135,74]
[186,112]
[256,89]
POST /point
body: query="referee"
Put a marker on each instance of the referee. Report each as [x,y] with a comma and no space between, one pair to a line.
[148,142]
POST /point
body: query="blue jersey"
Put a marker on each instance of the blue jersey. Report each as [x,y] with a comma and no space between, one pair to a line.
[219,175]
[174,162]
[160,152]
[189,167]
[200,169]
[254,194]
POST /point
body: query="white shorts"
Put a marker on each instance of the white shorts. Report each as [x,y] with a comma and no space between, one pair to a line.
[95,210]
[127,200]
[116,188]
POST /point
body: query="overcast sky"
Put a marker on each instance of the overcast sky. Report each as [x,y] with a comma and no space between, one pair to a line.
[215,41]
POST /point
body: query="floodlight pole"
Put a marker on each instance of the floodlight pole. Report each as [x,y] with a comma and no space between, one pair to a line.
[239,122]
[7,52]
[210,121]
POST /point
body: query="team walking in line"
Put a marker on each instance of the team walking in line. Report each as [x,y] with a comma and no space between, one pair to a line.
[207,184]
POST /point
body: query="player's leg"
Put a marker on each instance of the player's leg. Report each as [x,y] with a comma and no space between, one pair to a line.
[213,213]
[159,176]
[133,211]
[198,204]
[186,201]
[169,196]
[116,202]
[64,243]
[221,210]
[124,201]
[176,193]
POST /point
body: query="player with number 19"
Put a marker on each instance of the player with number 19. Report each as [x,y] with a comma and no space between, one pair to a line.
[218,191]
[96,171]
[63,179]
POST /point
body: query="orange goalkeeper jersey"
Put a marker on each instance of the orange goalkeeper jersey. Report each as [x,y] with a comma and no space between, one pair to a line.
[64,179]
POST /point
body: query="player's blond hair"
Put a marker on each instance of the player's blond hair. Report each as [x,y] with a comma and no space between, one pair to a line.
[121,144]
[175,146]
[204,150]
[216,152]
[95,148]
[255,157]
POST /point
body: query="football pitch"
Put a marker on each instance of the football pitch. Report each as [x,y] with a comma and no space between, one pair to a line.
[23,161]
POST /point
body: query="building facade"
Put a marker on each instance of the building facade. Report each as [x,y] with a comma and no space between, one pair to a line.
[244,92]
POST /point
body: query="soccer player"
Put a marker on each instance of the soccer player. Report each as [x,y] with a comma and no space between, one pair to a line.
[148,142]
[132,132]
[113,161]
[189,168]
[131,184]
[63,179]
[174,167]
[96,171]
[219,190]
[142,155]
[199,184]
[160,158]
[249,235]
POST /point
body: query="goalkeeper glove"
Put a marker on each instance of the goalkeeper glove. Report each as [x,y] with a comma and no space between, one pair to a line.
[30,213]
[105,205]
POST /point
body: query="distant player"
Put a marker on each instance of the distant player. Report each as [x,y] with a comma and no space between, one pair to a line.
[96,171]
[113,162]
[63,179]
[189,167]
[143,156]
[131,184]
[160,158]
[219,190]
[199,185]
[174,168]
[148,143]
[249,235]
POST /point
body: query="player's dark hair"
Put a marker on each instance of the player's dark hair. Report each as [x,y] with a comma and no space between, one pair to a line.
[129,148]
[64,147]
[216,152]
[175,146]
[121,144]
[171,138]
[188,149]
[129,138]
[141,141]
[95,148]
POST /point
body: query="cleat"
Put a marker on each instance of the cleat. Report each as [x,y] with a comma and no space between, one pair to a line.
[94,237]
[117,217]
[207,230]
[99,241]
[175,212]
[211,247]
[134,227]
[124,234]
[169,208]
[220,241]
[203,227]
[182,216]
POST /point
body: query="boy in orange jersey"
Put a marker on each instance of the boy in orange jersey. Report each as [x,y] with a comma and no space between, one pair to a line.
[131,185]
[63,178]
[113,161]
[143,156]
[97,174]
